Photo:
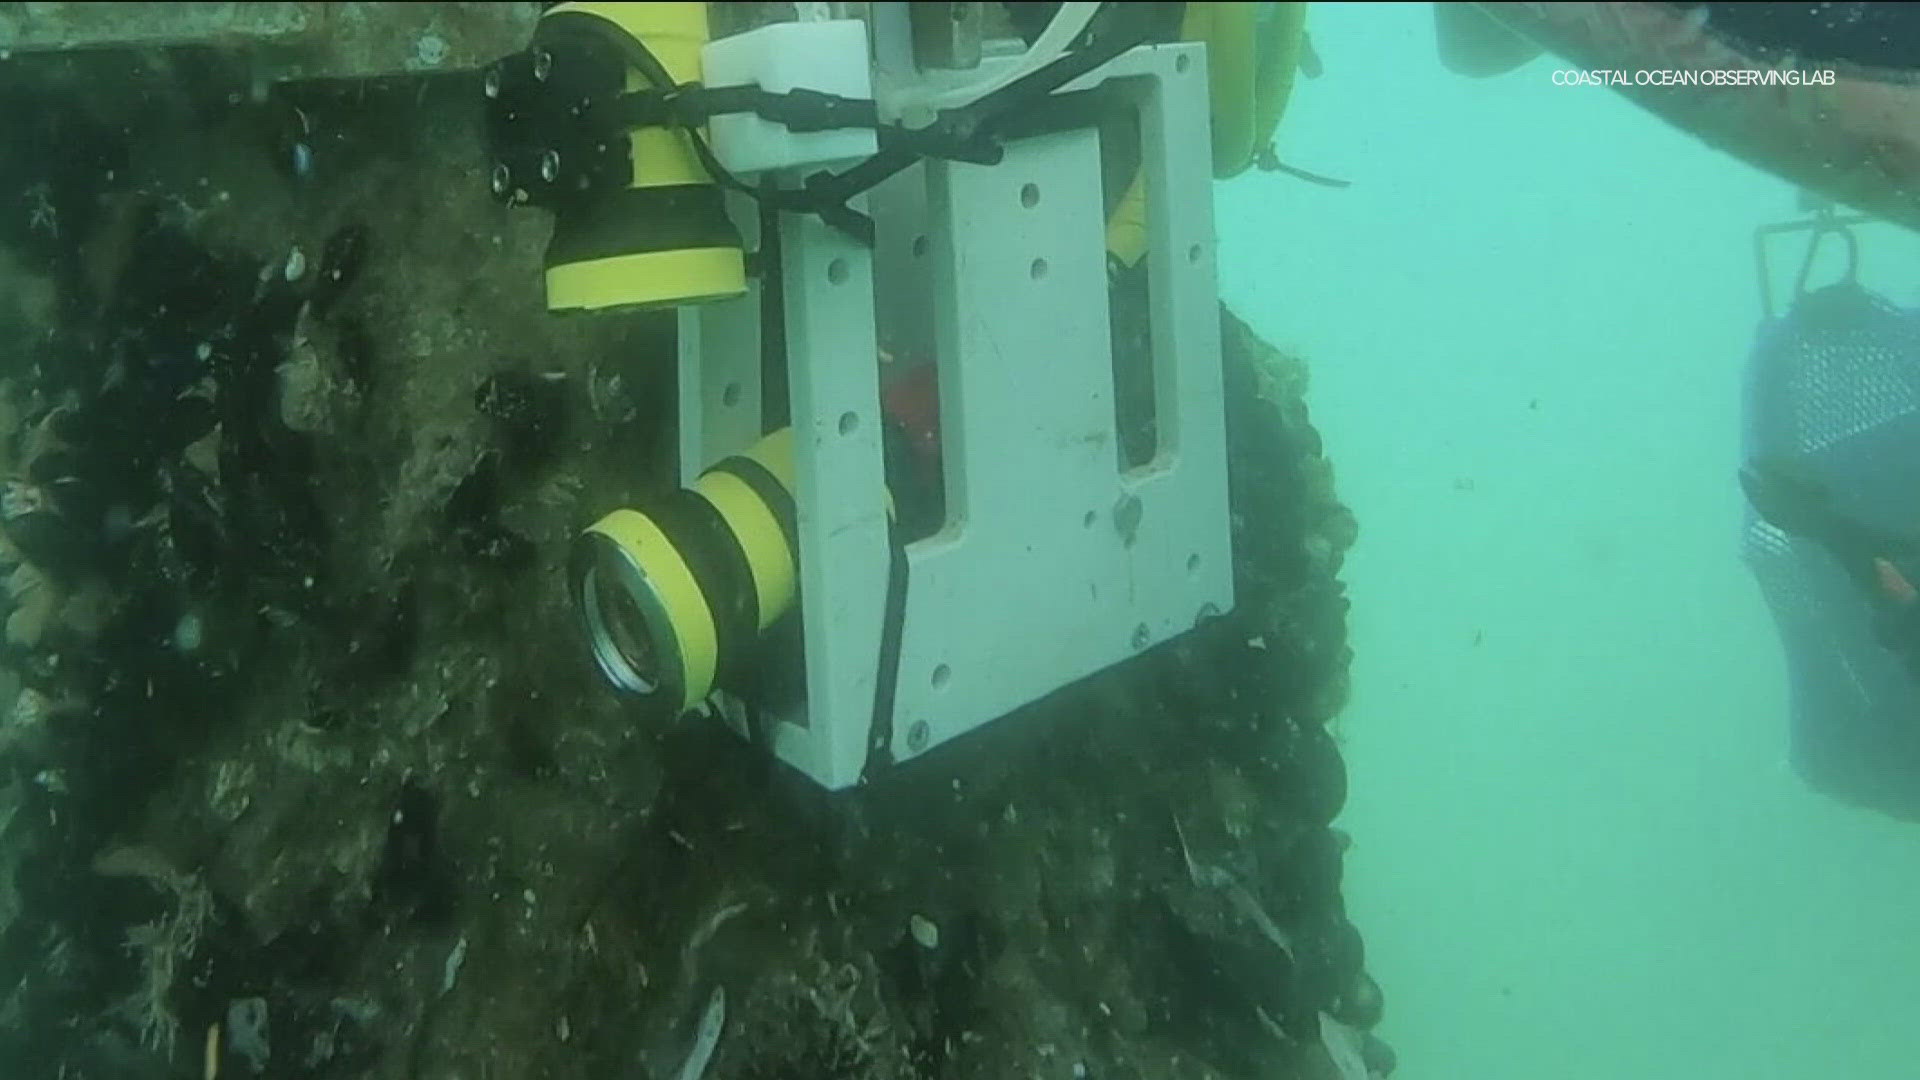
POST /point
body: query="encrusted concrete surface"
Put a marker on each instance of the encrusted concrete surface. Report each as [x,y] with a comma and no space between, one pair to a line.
[308,774]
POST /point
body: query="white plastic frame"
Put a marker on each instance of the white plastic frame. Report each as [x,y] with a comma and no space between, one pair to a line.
[1054,563]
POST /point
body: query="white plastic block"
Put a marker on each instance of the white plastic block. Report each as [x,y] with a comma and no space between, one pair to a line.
[830,57]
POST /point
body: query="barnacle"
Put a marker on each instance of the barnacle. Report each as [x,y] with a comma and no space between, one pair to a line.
[33,710]
[43,437]
[34,601]
[26,720]
[18,498]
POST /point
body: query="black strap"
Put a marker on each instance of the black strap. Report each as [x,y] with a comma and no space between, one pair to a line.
[978,120]
[887,674]
[705,540]
[769,489]
[691,105]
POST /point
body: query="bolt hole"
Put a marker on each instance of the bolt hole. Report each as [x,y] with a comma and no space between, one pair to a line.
[837,271]
[731,395]
[1181,63]
[917,736]
[849,423]
[1088,518]
[1029,195]
[1193,254]
[1193,564]
[1038,269]
[1140,636]
[942,674]
[919,246]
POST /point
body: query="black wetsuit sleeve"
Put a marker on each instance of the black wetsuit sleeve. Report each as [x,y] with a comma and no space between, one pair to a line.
[1882,35]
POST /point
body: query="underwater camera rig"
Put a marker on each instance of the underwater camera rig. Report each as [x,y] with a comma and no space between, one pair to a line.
[812,195]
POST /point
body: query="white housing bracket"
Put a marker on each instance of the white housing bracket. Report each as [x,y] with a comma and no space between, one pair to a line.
[830,57]
[1054,563]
